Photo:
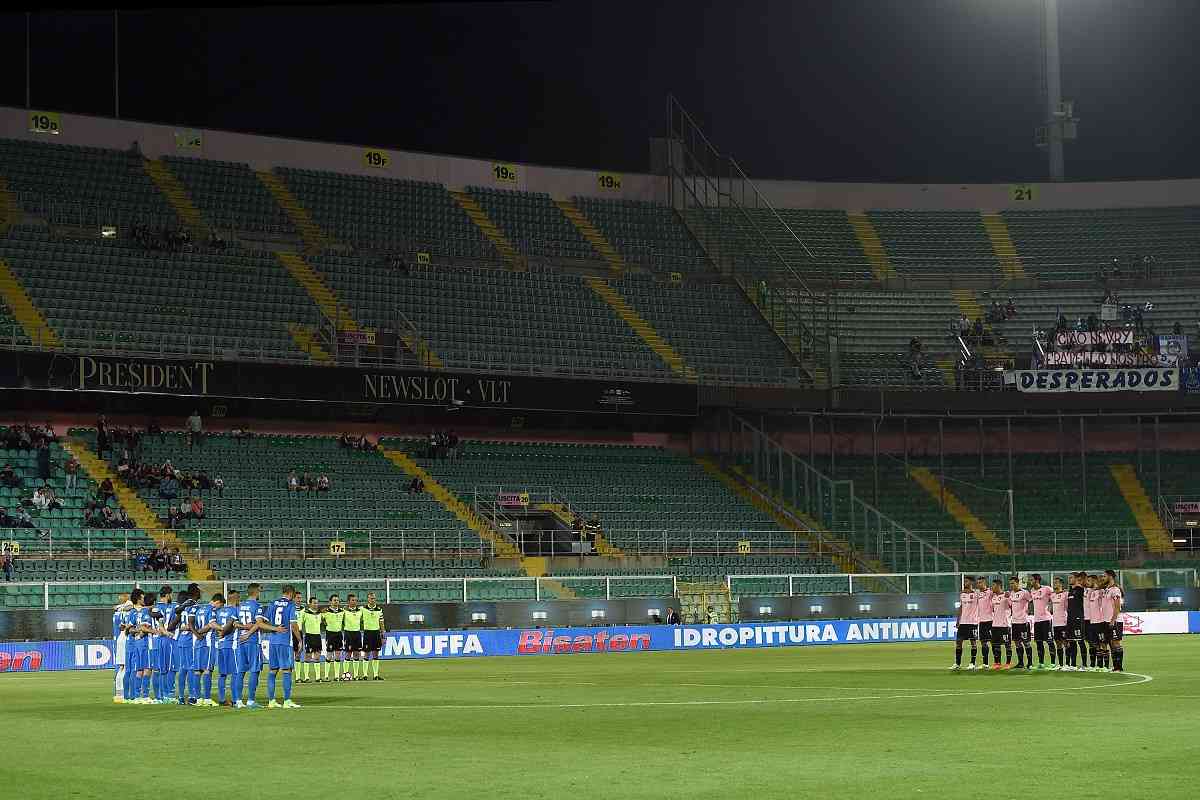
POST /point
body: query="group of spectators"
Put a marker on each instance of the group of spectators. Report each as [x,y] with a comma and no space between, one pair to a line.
[20,518]
[352,442]
[171,483]
[443,444]
[98,514]
[187,509]
[416,486]
[157,560]
[307,482]
[999,313]
[28,437]
[165,239]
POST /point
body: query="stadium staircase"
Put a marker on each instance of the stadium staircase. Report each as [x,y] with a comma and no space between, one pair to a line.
[871,245]
[24,311]
[978,529]
[593,235]
[695,598]
[641,327]
[968,304]
[10,212]
[98,470]
[178,197]
[311,234]
[1003,247]
[503,546]
[537,567]
[1157,537]
[333,308]
[306,339]
[742,485]
[493,233]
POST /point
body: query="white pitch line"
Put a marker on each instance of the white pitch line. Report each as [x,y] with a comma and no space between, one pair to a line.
[763,701]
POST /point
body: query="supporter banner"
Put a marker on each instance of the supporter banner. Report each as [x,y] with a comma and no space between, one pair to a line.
[1145,379]
[1186,507]
[1066,358]
[233,379]
[1189,379]
[1171,348]
[97,653]
[1086,339]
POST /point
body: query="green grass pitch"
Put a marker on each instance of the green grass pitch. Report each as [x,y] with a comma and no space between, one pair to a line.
[869,721]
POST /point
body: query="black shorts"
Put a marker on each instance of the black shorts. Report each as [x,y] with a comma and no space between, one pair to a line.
[312,643]
[1060,633]
[354,641]
[1089,632]
[1118,631]
[333,641]
[1102,631]
[985,631]
[1041,631]
[372,641]
[1075,629]
[1000,635]
[966,633]
[1020,631]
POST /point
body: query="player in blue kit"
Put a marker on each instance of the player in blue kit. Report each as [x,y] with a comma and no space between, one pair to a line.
[280,623]
[137,655]
[164,647]
[202,652]
[248,660]
[181,660]
[226,619]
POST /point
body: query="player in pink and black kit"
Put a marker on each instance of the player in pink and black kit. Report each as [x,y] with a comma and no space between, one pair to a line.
[1091,615]
[1041,619]
[968,622]
[1110,609]
[1000,626]
[1018,603]
[983,605]
[1058,619]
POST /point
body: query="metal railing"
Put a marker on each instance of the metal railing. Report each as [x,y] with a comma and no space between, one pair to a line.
[791,585]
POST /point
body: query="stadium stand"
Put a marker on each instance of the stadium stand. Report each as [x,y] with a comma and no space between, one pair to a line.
[533,224]
[229,196]
[936,244]
[646,234]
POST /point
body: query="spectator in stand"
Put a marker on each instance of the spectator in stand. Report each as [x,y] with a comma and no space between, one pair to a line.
[177,562]
[123,520]
[185,508]
[105,491]
[306,482]
[72,470]
[323,483]
[203,483]
[293,483]
[4,518]
[22,519]
[173,516]
[195,430]
[6,560]
[416,486]
[218,485]
[9,478]
[964,326]
[168,487]
[138,560]
[673,617]
[197,509]
[44,465]
[1177,329]
[1010,309]
[101,436]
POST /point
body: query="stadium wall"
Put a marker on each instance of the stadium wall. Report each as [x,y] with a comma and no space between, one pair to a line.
[408,645]
[265,152]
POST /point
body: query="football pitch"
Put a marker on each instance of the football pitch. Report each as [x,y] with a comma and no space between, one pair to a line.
[885,721]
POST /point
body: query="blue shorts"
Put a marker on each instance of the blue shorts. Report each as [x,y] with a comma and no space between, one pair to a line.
[164,655]
[137,658]
[202,659]
[225,661]
[181,659]
[281,656]
[249,657]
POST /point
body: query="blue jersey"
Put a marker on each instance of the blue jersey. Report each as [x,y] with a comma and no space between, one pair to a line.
[250,611]
[223,615]
[166,610]
[281,614]
[118,621]
[133,618]
[200,618]
[186,617]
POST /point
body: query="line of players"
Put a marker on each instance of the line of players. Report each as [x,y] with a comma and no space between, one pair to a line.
[1079,625]
[353,639]
[172,648]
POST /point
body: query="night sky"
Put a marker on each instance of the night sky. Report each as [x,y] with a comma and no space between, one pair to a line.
[918,90]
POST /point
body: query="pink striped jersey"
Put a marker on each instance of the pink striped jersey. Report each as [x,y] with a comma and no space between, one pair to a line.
[1041,604]
[984,609]
[1091,605]
[1108,602]
[1059,599]
[1000,608]
[1019,603]
[968,608]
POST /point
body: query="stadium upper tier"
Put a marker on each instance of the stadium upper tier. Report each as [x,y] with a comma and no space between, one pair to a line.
[670,310]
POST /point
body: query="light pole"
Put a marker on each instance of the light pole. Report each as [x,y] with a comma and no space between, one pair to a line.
[1060,124]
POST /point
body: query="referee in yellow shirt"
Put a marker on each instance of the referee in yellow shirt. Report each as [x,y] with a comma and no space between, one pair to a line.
[353,625]
[335,643]
[373,630]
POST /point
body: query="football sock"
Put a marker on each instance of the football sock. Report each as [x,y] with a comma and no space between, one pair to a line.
[145,686]
[119,682]
[195,679]
[252,685]
[181,690]
[236,688]
[287,686]
[208,686]
[1041,647]
[1029,654]
[303,670]
[375,666]
[357,668]
[127,683]
[1008,653]
[996,653]
[1119,659]
[271,686]
[985,652]
[974,652]
[1020,655]
[328,664]
[958,656]
[221,681]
